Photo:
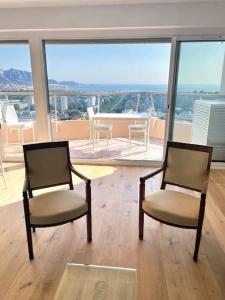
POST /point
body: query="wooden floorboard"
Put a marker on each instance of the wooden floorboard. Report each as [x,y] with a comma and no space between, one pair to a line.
[163,260]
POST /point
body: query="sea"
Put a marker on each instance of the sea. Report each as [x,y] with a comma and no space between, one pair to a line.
[160,88]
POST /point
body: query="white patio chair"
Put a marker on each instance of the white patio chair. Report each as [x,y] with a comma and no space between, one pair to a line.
[97,128]
[144,126]
[13,123]
[140,127]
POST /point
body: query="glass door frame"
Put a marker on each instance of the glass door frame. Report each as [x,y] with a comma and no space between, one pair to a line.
[175,59]
[26,42]
[115,41]
[37,58]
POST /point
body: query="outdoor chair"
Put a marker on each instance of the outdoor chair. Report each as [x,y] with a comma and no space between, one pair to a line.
[139,127]
[48,165]
[97,128]
[186,166]
[13,124]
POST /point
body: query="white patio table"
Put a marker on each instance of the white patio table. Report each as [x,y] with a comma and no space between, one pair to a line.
[122,116]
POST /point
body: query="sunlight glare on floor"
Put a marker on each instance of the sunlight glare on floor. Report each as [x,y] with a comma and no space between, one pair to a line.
[15,178]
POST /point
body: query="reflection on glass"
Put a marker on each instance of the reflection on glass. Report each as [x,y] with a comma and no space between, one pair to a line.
[199,110]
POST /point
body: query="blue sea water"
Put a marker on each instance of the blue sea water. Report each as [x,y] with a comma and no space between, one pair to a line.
[121,87]
[160,88]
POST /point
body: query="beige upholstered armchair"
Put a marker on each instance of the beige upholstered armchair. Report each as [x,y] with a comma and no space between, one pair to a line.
[186,166]
[48,165]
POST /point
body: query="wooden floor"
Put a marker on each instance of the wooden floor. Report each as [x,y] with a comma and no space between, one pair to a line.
[163,259]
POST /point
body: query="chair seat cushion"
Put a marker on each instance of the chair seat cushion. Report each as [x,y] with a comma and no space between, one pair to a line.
[103,126]
[173,207]
[56,207]
[137,127]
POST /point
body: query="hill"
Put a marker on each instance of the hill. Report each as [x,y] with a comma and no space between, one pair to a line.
[20,77]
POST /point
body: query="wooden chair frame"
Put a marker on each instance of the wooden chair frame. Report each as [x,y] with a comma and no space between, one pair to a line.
[28,193]
[203,192]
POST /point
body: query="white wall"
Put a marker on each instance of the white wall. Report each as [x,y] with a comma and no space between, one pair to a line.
[163,19]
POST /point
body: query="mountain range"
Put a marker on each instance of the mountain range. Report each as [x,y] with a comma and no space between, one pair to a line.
[19,77]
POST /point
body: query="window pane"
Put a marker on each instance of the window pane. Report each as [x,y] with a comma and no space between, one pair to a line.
[199,113]
[17,109]
[112,79]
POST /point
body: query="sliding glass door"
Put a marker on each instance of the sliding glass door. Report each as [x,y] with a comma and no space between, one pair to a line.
[17,107]
[123,81]
[199,100]
[126,81]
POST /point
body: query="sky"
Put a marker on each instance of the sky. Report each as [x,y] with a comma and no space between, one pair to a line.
[200,62]
[117,63]
[15,56]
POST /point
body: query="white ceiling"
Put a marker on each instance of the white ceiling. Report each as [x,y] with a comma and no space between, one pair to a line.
[50,3]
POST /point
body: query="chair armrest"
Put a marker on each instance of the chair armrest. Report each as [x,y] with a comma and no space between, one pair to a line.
[25,189]
[144,178]
[87,181]
[81,176]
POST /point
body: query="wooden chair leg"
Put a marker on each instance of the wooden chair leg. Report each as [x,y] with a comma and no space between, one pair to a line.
[89,226]
[197,242]
[141,212]
[28,226]
[29,241]
[199,229]
[141,224]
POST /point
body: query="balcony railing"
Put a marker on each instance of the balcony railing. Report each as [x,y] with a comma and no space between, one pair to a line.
[64,105]
[70,121]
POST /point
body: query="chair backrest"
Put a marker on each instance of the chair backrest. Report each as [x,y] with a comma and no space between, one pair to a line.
[142,122]
[90,112]
[187,165]
[47,164]
[11,115]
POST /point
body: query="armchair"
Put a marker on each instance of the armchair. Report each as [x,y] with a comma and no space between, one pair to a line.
[186,166]
[48,165]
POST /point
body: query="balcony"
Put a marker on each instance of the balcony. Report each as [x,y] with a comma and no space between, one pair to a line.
[76,129]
